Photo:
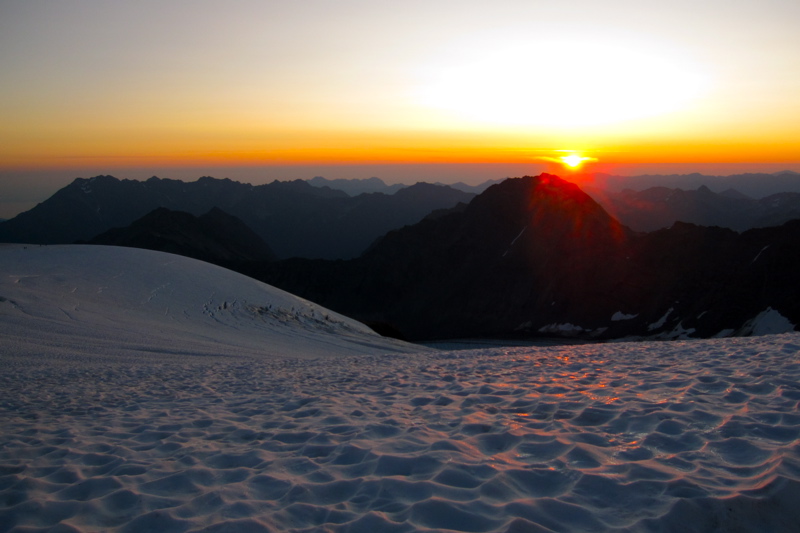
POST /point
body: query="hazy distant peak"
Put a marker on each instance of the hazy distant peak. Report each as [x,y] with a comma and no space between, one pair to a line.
[475,189]
[320,181]
[425,185]
[754,185]
[356,186]
[733,193]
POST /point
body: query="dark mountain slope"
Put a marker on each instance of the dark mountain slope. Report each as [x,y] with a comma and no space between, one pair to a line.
[215,237]
[538,256]
[88,207]
[344,228]
[759,271]
[521,247]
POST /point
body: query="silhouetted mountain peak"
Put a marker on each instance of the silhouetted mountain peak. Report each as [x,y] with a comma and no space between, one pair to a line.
[88,184]
[546,201]
[216,236]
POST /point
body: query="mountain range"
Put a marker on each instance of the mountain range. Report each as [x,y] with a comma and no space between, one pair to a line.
[660,207]
[294,218]
[354,187]
[340,219]
[754,185]
[529,256]
[538,256]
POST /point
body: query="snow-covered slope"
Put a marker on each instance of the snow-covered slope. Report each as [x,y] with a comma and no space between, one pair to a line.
[98,301]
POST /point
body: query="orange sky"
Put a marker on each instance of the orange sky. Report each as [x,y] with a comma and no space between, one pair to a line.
[140,88]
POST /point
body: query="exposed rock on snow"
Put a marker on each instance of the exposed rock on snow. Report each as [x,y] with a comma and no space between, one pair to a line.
[768,322]
[661,321]
[563,329]
[619,315]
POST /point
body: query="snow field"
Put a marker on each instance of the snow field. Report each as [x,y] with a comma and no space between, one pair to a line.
[695,436]
[190,427]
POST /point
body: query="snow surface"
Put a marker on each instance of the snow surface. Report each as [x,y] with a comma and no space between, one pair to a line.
[96,301]
[197,429]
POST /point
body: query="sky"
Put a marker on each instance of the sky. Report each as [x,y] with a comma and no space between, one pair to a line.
[439,90]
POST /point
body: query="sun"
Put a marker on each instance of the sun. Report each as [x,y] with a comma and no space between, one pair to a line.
[573,161]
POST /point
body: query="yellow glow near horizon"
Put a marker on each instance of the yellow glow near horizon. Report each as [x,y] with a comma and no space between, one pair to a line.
[104,85]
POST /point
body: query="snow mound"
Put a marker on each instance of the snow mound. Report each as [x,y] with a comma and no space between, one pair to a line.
[97,301]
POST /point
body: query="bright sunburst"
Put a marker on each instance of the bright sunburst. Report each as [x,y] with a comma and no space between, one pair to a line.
[563,84]
[573,161]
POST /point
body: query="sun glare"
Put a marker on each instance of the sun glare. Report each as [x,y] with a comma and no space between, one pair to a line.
[563,84]
[573,161]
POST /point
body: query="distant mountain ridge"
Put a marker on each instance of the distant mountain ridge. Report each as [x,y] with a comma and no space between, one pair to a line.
[475,189]
[354,187]
[754,185]
[294,218]
[313,220]
[660,207]
[538,256]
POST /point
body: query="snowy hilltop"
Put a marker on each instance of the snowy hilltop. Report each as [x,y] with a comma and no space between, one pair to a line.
[96,301]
